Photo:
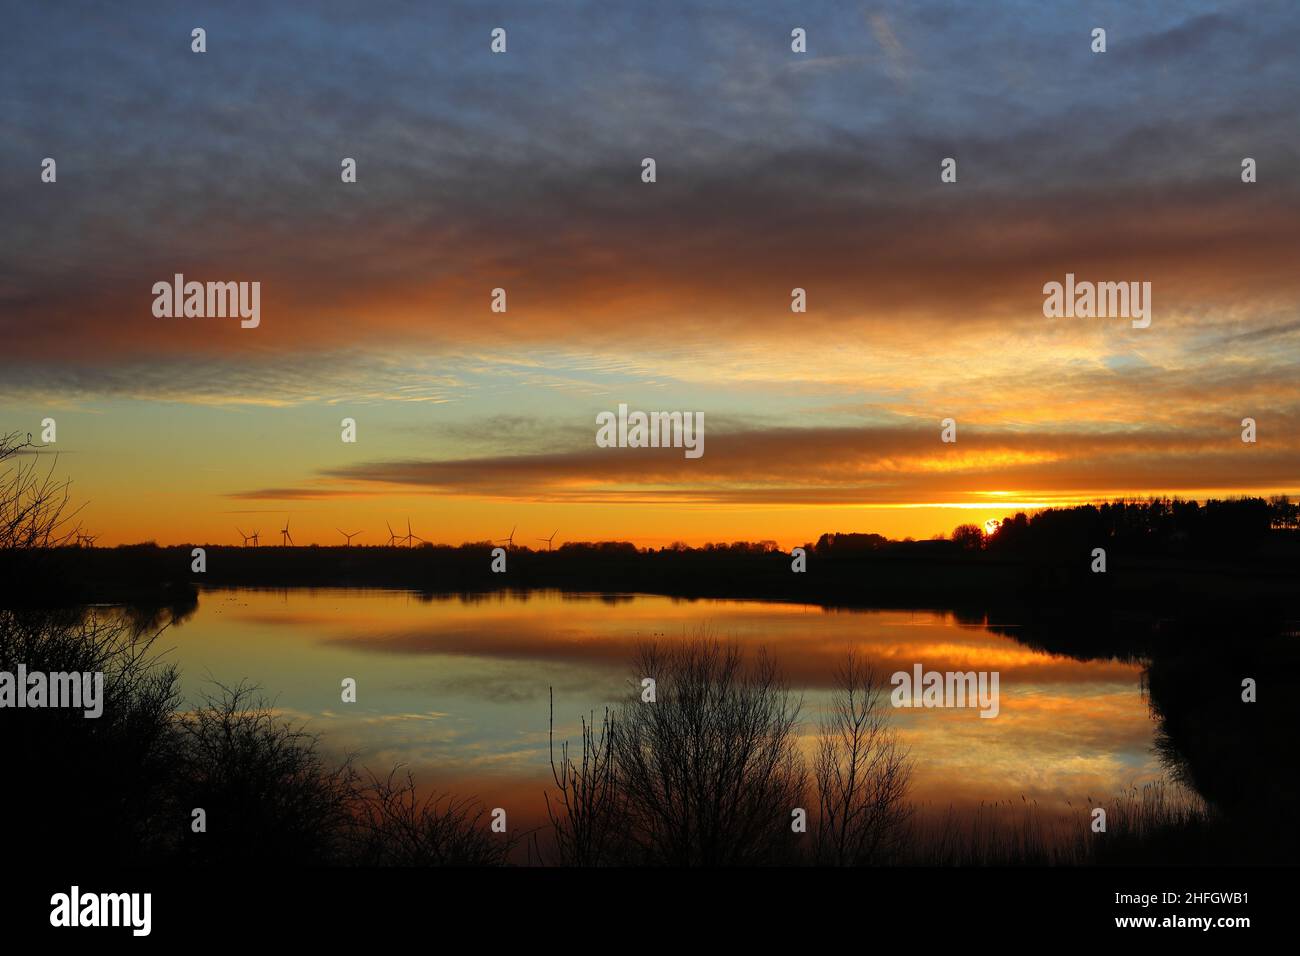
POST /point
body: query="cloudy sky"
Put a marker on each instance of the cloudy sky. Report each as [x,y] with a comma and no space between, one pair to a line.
[522,171]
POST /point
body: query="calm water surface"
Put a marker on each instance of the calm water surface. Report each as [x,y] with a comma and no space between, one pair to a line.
[456,688]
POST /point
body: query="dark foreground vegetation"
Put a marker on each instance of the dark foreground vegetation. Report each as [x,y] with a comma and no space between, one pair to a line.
[710,773]
[123,788]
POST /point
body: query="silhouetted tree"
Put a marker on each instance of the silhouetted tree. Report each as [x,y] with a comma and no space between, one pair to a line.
[710,771]
[862,773]
[588,810]
[969,537]
[35,509]
[267,792]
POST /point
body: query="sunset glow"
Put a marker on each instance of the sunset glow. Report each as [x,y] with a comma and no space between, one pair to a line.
[924,300]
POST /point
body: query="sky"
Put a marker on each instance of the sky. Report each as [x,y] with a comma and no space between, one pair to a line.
[522,171]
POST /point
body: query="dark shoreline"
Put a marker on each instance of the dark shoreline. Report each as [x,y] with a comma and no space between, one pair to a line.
[1139,606]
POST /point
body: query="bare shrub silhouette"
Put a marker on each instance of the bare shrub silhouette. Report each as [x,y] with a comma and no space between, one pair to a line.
[861,772]
[710,771]
[587,815]
[37,521]
[267,791]
[100,791]
[393,826]
[35,508]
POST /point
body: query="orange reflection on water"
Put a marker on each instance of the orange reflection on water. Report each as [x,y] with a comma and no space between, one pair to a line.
[457,688]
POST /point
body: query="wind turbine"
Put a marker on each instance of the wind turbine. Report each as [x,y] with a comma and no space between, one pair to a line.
[392,538]
[510,539]
[285,536]
[550,539]
[255,534]
[411,538]
[246,537]
[348,536]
